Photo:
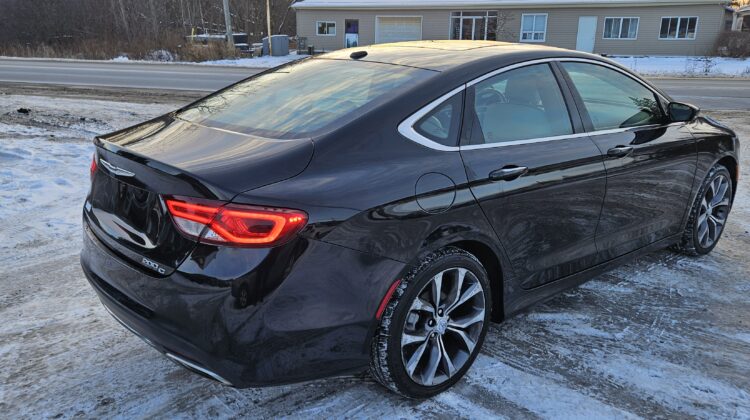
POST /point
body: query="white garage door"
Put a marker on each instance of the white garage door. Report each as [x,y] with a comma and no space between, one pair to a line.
[398,28]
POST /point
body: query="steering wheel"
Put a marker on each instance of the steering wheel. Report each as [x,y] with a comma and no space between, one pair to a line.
[489,96]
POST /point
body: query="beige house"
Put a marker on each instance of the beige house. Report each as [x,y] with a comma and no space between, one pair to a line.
[616,27]
[742,19]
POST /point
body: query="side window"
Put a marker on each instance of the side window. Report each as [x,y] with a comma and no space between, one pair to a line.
[612,99]
[520,104]
[441,125]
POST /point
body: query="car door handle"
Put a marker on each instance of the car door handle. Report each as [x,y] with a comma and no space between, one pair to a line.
[508,173]
[620,151]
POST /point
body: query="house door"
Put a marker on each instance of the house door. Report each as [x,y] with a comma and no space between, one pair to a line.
[351,33]
[586,33]
[473,28]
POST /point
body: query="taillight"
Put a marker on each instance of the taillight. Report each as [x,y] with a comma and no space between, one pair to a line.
[92,169]
[234,224]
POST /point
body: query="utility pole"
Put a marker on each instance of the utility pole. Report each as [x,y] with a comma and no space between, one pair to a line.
[228,24]
[268,21]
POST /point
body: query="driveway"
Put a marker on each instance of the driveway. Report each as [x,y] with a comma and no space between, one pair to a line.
[664,336]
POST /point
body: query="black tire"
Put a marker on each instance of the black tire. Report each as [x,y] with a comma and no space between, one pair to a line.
[690,244]
[387,365]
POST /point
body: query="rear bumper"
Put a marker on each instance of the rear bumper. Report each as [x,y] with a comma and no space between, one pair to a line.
[130,326]
[310,315]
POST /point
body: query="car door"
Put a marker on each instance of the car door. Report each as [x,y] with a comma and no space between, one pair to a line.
[539,180]
[650,162]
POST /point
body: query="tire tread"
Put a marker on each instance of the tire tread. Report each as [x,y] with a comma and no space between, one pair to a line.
[687,244]
[379,368]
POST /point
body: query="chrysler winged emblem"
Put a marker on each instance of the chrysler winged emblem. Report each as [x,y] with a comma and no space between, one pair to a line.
[114,170]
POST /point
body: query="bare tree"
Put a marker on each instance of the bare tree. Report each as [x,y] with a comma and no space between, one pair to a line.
[124,25]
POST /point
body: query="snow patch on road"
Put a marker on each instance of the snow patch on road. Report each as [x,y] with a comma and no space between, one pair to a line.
[516,385]
[690,391]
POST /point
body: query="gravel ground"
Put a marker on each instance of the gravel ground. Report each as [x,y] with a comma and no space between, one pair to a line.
[665,336]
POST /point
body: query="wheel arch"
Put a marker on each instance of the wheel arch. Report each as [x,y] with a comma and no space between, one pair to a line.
[491,262]
[480,241]
[732,166]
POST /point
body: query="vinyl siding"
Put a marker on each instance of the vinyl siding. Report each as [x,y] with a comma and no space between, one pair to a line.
[562,27]
[435,25]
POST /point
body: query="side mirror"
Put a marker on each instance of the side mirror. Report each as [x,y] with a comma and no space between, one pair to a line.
[679,112]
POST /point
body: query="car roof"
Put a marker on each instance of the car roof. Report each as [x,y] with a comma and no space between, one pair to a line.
[447,55]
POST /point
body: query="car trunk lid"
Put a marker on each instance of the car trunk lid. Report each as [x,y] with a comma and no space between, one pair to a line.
[139,166]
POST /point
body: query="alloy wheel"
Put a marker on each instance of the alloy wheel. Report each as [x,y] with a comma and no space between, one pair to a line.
[713,211]
[443,326]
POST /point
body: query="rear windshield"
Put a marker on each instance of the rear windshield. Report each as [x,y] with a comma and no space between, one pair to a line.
[302,99]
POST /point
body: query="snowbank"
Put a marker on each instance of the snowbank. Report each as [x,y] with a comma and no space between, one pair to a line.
[687,66]
[257,62]
[678,66]
[264,61]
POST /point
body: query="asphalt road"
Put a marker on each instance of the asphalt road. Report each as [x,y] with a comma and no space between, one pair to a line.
[725,94]
[124,75]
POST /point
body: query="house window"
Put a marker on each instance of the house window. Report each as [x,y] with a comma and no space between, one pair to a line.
[533,27]
[621,27]
[678,27]
[474,25]
[326,28]
[728,24]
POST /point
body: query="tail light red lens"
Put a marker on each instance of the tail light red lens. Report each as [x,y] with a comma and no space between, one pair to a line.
[234,224]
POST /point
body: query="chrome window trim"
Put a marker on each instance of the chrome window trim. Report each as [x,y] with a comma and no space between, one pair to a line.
[406,127]
[539,139]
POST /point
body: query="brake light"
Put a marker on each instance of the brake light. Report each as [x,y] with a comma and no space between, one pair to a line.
[92,169]
[234,224]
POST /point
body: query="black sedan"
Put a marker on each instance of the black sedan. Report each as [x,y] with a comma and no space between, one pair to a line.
[379,207]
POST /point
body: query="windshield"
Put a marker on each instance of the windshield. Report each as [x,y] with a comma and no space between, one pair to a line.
[302,99]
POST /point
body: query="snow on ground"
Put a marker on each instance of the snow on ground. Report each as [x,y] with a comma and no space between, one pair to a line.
[665,336]
[674,66]
[687,66]
[264,61]
[44,160]
[255,62]
[647,65]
